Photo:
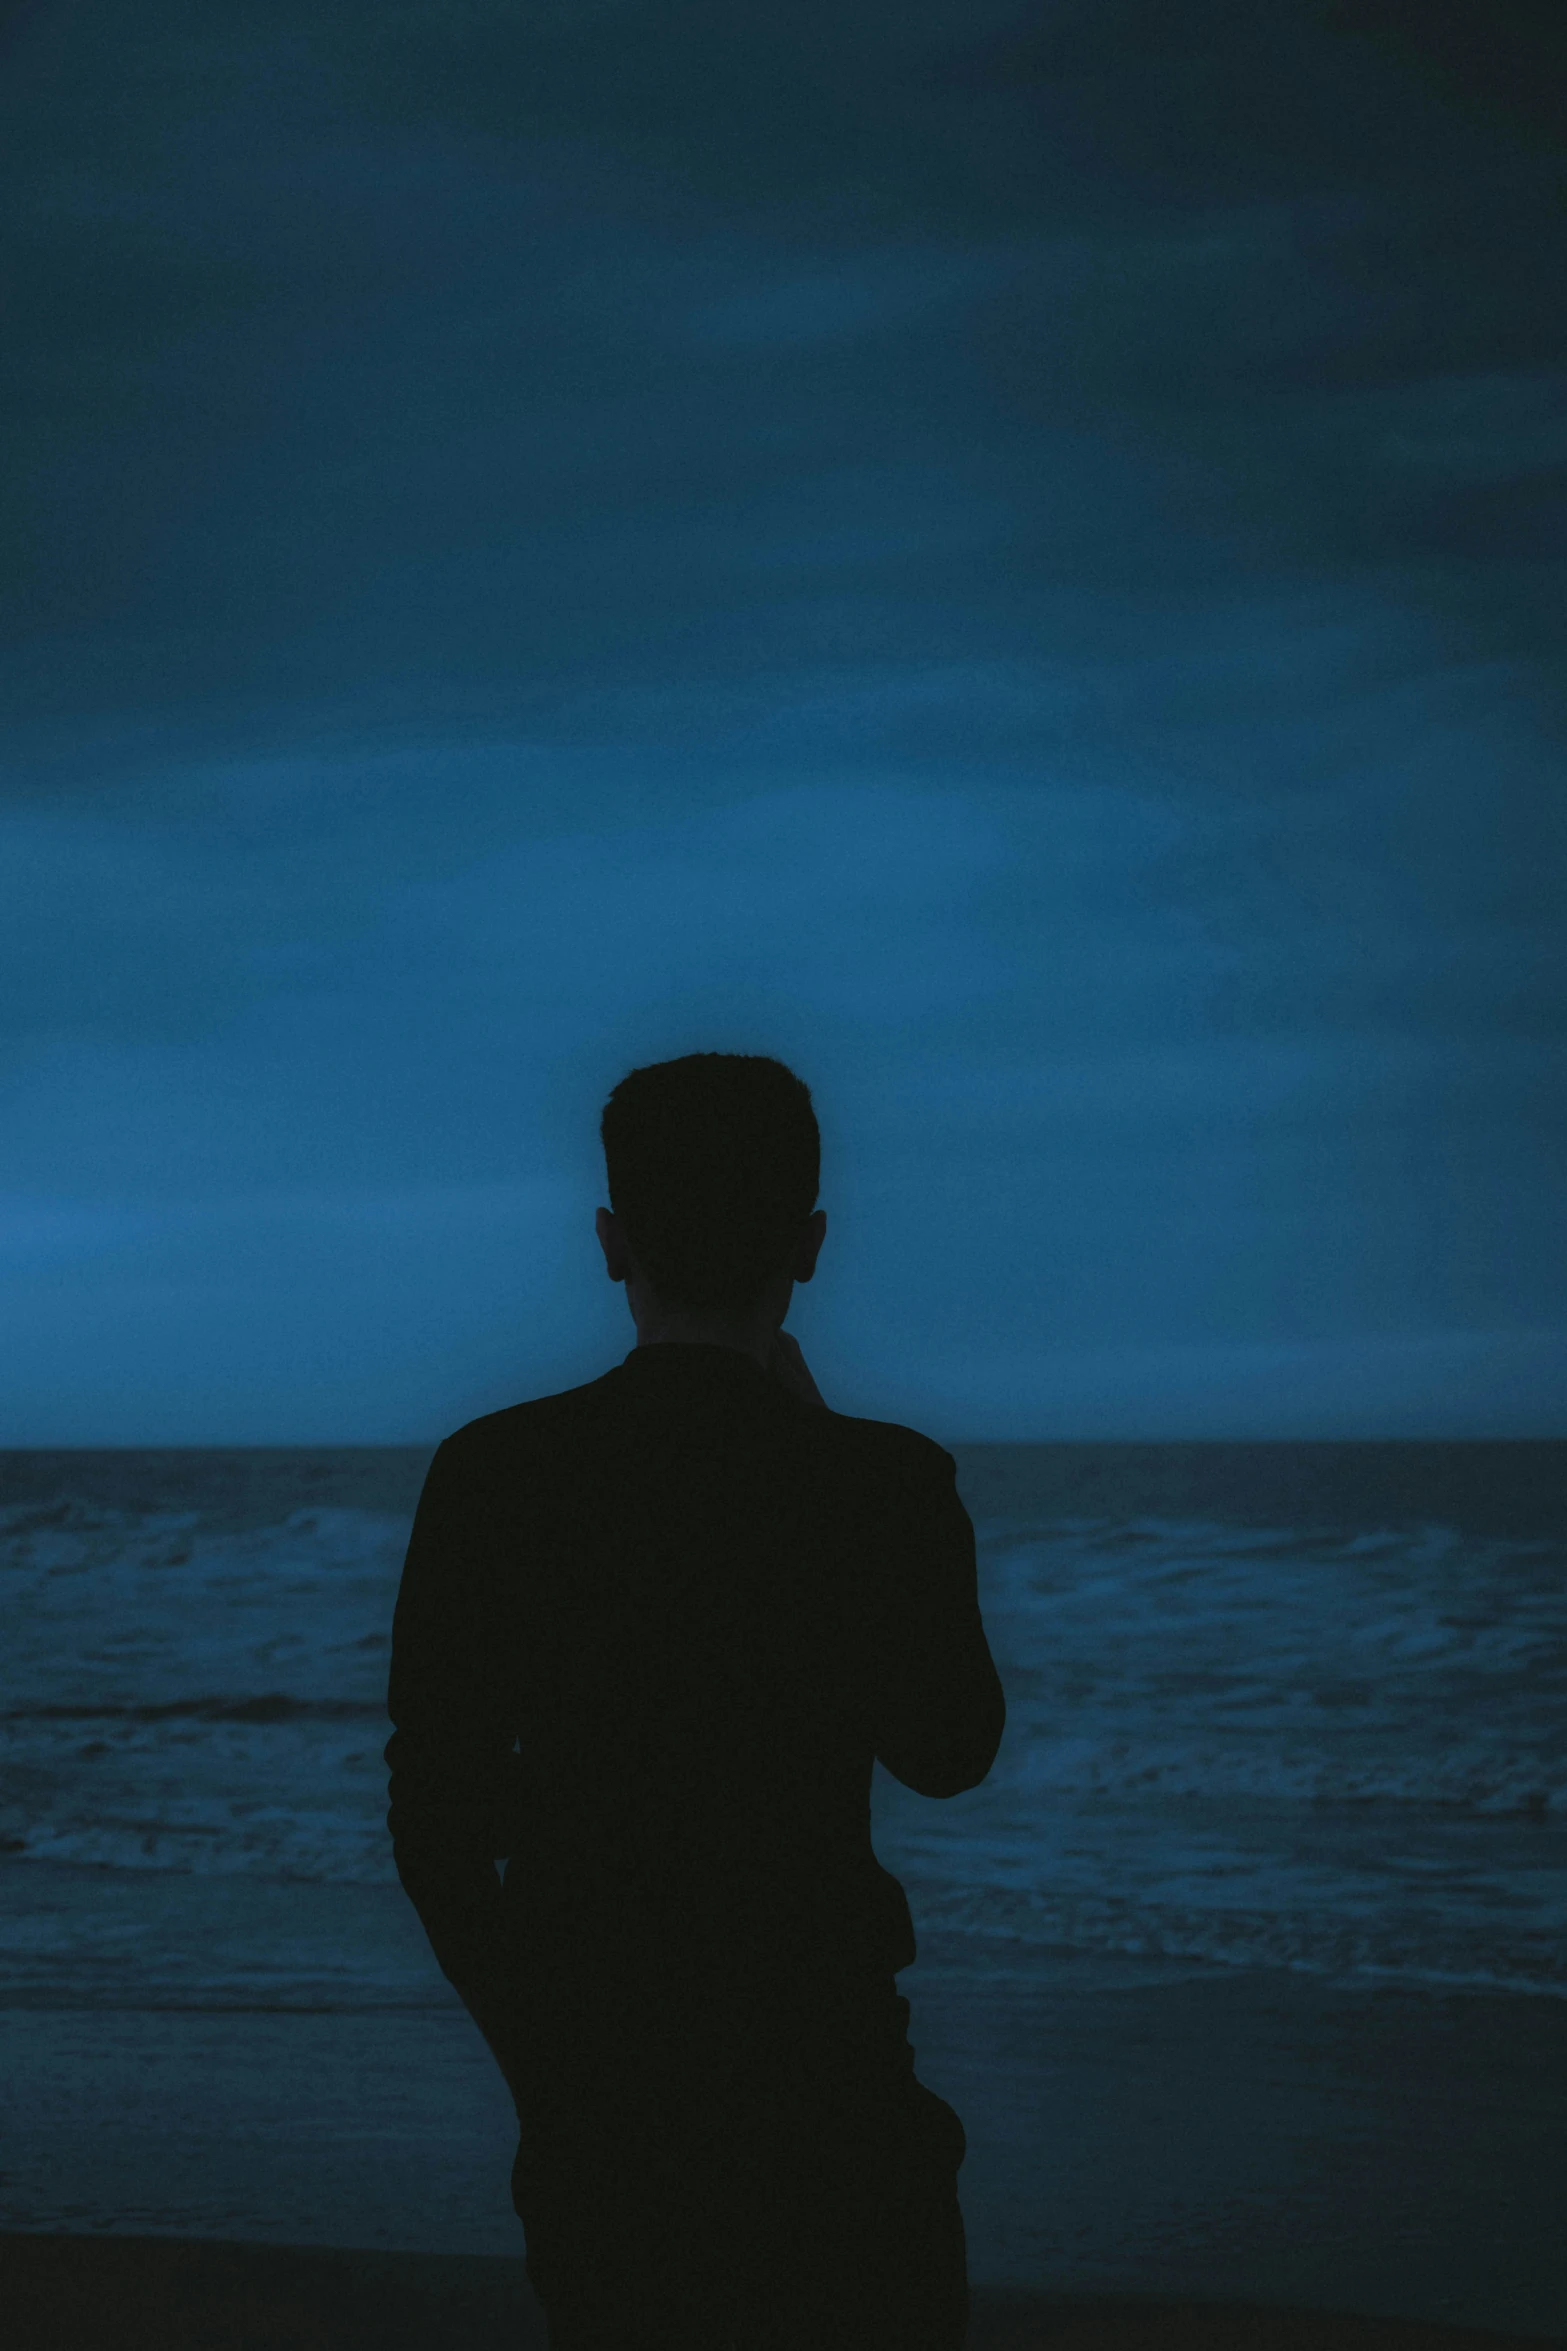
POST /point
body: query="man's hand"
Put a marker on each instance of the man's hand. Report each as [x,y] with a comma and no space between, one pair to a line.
[790,1369]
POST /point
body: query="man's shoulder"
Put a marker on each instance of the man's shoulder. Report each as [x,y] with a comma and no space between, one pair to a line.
[552,1421]
[891,1441]
[536,1417]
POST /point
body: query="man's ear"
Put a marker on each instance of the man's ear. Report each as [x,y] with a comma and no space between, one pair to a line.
[613,1243]
[809,1245]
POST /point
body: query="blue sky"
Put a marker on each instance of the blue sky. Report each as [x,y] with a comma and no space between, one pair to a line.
[1012,557]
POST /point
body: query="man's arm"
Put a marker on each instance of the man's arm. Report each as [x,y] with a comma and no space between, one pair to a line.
[450,1760]
[939,1709]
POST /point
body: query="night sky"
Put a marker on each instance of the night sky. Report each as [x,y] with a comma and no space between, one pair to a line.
[1014,557]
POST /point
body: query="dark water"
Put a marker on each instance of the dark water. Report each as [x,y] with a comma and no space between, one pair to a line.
[1296,1706]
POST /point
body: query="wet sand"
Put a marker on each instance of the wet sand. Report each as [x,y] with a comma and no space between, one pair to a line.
[1155,2155]
[108,2293]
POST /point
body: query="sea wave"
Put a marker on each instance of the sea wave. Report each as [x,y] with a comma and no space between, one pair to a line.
[1335,1748]
[270,1706]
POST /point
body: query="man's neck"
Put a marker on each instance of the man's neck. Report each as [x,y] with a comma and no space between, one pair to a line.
[706,1330]
[752,1334]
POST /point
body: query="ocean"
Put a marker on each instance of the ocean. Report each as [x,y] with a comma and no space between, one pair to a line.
[1295,1707]
[1244,1969]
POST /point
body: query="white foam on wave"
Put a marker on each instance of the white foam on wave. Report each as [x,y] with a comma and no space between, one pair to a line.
[1254,1746]
[1162,1658]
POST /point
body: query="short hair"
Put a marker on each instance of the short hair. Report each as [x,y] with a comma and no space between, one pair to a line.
[714,1162]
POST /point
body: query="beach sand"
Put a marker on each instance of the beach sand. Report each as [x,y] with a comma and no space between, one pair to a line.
[106,2293]
[1156,2155]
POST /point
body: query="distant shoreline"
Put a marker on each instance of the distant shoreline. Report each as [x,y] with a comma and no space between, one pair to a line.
[1508,1486]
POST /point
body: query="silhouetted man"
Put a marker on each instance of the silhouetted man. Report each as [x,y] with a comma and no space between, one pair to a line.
[697,1603]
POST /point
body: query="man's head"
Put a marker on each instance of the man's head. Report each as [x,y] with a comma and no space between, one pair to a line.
[714,1162]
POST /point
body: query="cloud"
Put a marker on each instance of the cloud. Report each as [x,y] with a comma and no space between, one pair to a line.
[1013,560]
[450,371]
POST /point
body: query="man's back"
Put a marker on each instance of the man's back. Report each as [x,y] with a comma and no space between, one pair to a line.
[700,1607]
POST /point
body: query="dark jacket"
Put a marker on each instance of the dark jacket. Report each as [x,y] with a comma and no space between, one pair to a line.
[651,1633]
